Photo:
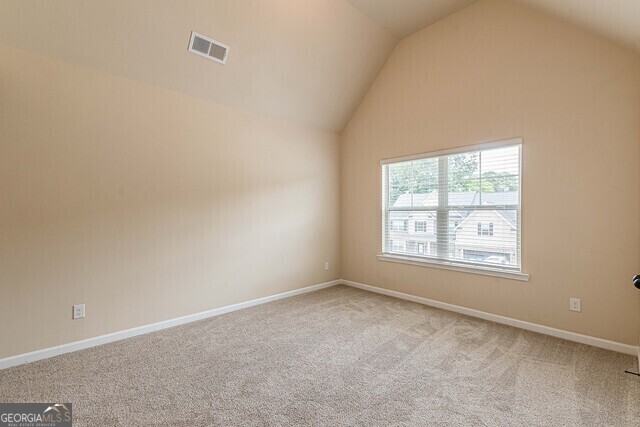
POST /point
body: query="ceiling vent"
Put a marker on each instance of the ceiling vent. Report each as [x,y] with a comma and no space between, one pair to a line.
[208,48]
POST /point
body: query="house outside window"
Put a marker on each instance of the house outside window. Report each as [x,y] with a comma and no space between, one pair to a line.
[464,204]
[399,225]
[398,246]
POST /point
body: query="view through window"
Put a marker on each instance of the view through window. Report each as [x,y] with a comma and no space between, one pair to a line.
[461,207]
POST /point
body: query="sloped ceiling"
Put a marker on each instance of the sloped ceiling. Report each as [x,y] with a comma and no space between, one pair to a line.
[308,61]
[616,19]
[404,17]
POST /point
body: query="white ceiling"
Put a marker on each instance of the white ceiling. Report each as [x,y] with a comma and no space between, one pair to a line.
[307,61]
[404,17]
[616,19]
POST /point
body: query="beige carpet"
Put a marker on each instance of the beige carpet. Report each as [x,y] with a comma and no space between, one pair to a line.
[340,356]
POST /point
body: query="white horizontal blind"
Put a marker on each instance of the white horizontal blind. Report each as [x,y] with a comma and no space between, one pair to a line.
[461,207]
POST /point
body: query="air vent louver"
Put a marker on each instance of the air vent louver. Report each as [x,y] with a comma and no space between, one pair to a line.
[208,48]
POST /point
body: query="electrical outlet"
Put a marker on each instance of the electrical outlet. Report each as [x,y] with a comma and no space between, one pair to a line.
[575,304]
[326,266]
[78,311]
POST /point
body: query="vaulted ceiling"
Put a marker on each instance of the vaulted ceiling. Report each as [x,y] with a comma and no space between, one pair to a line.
[616,19]
[307,61]
[404,17]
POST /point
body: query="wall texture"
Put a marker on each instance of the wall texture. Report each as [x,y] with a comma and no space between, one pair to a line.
[493,71]
[146,204]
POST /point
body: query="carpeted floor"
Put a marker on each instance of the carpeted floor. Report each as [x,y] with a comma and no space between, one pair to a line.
[340,356]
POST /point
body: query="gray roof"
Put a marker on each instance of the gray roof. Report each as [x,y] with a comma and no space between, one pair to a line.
[409,214]
[463,198]
[418,200]
[505,198]
[510,216]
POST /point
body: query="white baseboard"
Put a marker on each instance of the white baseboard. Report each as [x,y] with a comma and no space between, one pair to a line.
[120,335]
[546,330]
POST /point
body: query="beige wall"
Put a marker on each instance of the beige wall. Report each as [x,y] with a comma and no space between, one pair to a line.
[493,71]
[146,204]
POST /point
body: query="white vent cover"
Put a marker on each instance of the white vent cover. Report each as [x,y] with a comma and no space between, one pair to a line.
[208,48]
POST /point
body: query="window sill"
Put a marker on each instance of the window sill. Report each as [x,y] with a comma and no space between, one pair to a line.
[446,265]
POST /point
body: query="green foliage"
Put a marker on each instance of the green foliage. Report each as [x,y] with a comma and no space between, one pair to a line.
[422,177]
[417,177]
[496,182]
[463,168]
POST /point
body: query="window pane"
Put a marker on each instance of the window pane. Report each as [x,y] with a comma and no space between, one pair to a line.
[425,183]
[399,184]
[500,176]
[413,183]
[464,179]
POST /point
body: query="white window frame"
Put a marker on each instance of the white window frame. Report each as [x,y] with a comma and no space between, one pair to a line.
[442,222]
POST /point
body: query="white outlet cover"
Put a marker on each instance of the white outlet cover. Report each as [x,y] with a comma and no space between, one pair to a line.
[575,304]
[326,265]
[78,311]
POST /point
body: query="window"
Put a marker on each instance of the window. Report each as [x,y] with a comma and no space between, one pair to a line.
[485,229]
[421,226]
[399,225]
[473,198]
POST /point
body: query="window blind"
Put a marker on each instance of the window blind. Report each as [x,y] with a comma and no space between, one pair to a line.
[460,206]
